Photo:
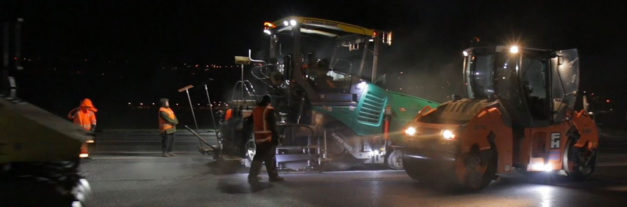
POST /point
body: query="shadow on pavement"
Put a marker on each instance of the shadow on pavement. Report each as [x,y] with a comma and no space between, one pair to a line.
[225,167]
[241,186]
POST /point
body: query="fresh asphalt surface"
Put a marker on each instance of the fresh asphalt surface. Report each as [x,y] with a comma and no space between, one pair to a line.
[126,170]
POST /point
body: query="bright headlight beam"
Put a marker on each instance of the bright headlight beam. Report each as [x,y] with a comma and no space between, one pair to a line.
[411,131]
[448,134]
[285,23]
[293,22]
[513,49]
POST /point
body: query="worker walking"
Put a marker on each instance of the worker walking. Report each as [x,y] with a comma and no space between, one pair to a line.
[84,115]
[167,125]
[266,140]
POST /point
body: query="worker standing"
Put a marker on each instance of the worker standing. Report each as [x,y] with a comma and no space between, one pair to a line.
[266,140]
[167,125]
[85,116]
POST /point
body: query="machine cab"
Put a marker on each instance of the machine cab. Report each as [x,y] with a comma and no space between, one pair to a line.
[535,86]
[332,56]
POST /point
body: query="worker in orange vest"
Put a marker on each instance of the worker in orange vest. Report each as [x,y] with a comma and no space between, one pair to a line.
[266,140]
[85,116]
[167,125]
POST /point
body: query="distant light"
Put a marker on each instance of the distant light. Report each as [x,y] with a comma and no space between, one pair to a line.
[141,104]
[608,101]
[513,49]
[153,103]
[267,31]
[285,23]
[293,22]
[83,155]
[129,103]
[465,53]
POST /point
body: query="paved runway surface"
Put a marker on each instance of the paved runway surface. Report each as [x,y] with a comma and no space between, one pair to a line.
[137,176]
[126,170]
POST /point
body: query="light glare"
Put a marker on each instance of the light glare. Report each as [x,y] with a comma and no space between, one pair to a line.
[448,134]
[513,49]
[293,22]
[411,131]
[362,85]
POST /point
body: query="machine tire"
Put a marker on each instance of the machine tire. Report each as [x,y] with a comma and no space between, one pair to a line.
[395,160]
[480,168]
[583,161]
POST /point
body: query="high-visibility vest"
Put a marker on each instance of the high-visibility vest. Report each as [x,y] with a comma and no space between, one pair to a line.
[229,114]
[85,119]
[261,125]
[163,124]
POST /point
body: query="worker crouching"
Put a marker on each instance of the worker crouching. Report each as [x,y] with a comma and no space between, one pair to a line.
[167,125]
[266,140]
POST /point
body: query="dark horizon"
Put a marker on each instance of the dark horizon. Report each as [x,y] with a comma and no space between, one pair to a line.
[126,48]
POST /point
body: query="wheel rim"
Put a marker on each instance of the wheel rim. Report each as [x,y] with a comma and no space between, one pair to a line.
[395,161]
[250,150]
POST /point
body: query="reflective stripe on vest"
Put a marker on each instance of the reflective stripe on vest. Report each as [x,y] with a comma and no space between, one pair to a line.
[85,119]
[163,124]
[260,123]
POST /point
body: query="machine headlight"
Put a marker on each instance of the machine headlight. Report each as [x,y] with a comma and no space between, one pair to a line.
[448,134]
[293,22]
[513,49]
[539,166]
[410,131]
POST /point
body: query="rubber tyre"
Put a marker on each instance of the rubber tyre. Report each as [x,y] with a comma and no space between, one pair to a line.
[395,160]
[584,164]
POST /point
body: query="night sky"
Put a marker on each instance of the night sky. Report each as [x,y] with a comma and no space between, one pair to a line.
[126,48]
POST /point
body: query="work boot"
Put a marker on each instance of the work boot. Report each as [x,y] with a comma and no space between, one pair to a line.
[254,179]
[277,179]
[170,154]
[164,154]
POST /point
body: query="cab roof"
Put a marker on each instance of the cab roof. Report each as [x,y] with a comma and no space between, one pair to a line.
[320,26]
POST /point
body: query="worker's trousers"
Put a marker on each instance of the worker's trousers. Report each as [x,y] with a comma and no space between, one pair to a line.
[167,140]
[265,153]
